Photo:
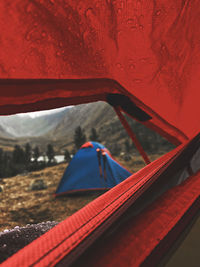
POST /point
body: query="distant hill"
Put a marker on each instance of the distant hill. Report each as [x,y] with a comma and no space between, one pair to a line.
[102,117]
[4,133]
[58,128]
[26,126]
[97,115]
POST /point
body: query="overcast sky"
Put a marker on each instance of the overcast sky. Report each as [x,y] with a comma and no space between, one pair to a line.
[40,113]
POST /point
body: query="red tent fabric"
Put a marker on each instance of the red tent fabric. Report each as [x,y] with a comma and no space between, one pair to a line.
[148,50]
[56,53]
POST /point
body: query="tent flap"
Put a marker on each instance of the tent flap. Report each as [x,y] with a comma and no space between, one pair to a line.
[151,48]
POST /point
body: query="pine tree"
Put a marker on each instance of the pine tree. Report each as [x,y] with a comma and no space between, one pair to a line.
[94,136]
[67,156]
[5,164]
[79,137]
[27,153]
[1,163]
[50,153]
[115,149]
[36,153]
[127,146]
[18,156]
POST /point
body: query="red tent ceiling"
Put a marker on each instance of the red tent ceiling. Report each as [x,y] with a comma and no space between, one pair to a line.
[147,49]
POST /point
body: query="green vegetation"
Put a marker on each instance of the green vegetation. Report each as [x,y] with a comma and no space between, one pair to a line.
[25,159]
[119,141]
[67,156]
[36,154]
[79,137]
[94,136]
[22,160]
[50,153]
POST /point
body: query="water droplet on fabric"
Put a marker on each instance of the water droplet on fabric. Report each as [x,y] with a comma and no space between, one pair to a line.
[119,65]
[13,69]
[44,34]
[163,47]
[119,11]
[133,28]
[122,4]
[139,4]
[130,21]
[88,12]
[29,8]
[137,80]
[131,66]
[61,44]
[119,33]
[158,13]
[143,60]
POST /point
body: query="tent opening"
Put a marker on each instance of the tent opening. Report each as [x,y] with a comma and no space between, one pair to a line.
[32,133]
[87,117]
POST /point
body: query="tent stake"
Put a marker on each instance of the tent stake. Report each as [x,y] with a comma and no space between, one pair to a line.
[132,135]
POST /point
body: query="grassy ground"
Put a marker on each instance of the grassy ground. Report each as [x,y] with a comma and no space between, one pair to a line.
[20,206]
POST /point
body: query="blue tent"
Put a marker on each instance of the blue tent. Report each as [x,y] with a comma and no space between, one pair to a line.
[92,168]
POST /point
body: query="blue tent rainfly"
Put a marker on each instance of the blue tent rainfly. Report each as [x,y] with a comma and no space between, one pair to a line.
[92,168]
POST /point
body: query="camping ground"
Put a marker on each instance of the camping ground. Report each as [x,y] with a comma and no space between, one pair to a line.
[20,206]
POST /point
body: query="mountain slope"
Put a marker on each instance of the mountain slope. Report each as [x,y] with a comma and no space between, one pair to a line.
[58,128]
[97,115]
[24,126]
[89,115]
[4,133]
[101,116]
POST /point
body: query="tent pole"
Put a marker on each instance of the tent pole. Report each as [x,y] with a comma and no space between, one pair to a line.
[132,135]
